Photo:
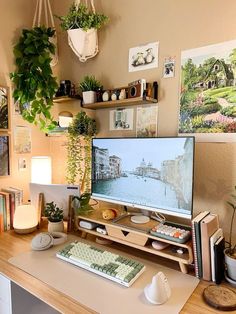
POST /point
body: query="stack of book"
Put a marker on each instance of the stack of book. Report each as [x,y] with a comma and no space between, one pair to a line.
[10,198]
[208,247]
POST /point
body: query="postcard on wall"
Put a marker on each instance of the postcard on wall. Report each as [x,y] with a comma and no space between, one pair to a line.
[121,119]
[4,108]
[143,57]
[4,155]
[22,164]
[169,68]
[208,92]
[146,121]
[22,140]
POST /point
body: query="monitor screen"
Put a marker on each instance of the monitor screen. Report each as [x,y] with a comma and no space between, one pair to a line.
[154,174]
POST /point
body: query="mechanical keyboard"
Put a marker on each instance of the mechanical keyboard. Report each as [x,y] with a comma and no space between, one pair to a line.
[104,263]
[172,232]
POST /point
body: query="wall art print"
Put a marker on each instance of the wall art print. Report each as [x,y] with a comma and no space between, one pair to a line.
[4,155]
[208,92]
[143,57]
[4,108]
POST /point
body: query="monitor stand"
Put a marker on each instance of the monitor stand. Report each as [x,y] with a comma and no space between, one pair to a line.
[139,219]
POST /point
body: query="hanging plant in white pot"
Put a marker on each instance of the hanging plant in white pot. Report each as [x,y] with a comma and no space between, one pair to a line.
[81,25]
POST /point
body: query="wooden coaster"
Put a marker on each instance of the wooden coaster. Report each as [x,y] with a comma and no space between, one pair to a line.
[103,241]
[220,298]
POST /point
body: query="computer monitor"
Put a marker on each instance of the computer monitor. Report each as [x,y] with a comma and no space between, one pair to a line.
[154,174]
[57,193]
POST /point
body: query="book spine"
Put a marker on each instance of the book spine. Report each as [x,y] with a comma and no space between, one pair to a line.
[1,214]
[195,250]
[199,248]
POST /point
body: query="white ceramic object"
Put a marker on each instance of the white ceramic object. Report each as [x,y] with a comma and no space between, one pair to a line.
[89,97]
[230,266]
[83,43]
[55,226]
[158,291]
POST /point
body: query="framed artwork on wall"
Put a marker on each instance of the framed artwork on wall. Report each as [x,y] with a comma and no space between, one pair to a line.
[4,155]
[208,92]
[4,108]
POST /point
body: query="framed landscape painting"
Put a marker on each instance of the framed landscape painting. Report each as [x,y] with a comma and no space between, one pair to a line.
[4,108]
[4,155]
[208,92]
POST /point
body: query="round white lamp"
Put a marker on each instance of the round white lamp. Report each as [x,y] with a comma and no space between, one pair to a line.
[25,219]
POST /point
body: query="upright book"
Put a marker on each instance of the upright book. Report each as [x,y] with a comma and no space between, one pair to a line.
[213,239]
[196,237]
[209,225]
[219,259]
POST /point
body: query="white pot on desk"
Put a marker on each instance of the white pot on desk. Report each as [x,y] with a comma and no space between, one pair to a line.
[55,226]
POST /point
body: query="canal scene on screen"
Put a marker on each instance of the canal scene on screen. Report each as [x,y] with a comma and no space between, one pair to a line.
[155,173]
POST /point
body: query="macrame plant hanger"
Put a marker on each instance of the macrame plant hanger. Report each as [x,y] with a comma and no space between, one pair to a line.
[84,43]
[48,21]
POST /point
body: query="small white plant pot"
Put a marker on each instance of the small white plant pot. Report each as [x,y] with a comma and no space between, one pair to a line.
[230,265]
[89,97]
[55,226]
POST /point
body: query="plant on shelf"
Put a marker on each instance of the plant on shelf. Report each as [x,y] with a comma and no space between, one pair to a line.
[81,25]
[34,83]
[80,133]
[54,215]
[89,87]
[230,251]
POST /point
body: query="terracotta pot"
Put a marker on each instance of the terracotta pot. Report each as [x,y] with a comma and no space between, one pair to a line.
[230,265]
[55,226]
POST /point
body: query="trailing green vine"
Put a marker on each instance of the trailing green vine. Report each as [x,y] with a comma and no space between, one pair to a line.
[80,134]
[34,83]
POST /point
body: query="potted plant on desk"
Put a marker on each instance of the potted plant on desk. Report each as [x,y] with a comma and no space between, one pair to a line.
[230,251]
[54,215]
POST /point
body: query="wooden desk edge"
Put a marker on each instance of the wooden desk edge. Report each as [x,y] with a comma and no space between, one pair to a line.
[66,304]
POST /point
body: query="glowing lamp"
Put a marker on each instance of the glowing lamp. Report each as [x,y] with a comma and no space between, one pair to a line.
[41,170]
[25,219]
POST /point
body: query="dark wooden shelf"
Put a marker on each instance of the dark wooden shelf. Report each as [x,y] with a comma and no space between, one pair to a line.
[119,103]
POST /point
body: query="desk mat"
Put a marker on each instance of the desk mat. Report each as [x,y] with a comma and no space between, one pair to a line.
[100,294]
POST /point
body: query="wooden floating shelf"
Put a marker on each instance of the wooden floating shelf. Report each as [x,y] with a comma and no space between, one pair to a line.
[119,103]
[64,99]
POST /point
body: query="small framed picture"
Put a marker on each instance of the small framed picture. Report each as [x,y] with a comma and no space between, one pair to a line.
[4,108]
[4,155]
[22,164]
[169,69]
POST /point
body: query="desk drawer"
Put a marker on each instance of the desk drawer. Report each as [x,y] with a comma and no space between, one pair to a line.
[133,237]
[5,290]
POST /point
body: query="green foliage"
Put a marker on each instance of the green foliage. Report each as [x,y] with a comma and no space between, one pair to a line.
[229,111]
[53,213]
[80,134]
[205,109]
[80,17]
[89,83]
[35,85]
[233,206]
[81,204]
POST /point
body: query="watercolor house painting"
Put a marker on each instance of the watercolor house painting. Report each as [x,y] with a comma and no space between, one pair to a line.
[208,89]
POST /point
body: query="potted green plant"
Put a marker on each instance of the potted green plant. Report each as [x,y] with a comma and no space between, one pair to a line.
[230,251]
[81,26]
[34,83]
[89,86]
[54,215]
[80,133]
